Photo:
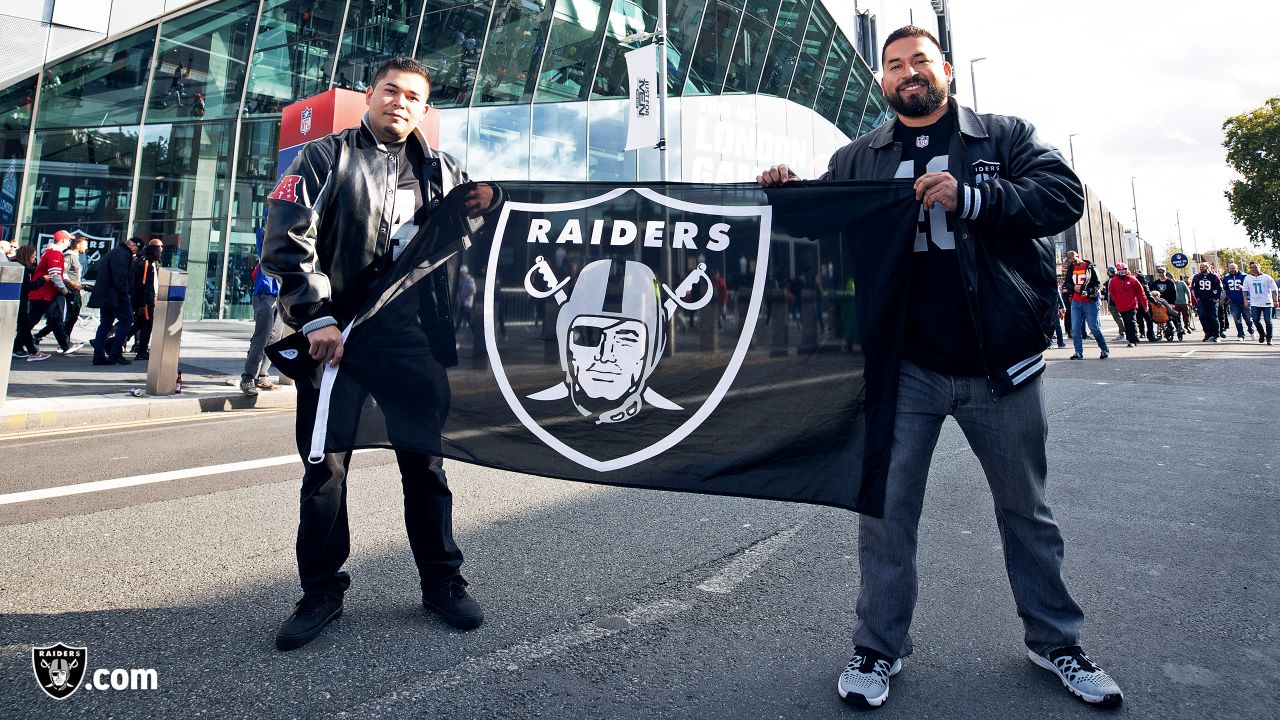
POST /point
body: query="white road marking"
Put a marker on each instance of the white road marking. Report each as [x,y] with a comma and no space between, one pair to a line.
[514,657]
[1188,352]
[167,476]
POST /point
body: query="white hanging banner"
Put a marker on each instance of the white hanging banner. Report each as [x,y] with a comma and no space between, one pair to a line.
[642,81]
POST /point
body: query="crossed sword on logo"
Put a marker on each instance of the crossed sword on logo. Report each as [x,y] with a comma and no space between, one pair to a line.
[556,286]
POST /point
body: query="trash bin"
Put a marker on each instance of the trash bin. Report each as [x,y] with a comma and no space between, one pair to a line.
[166,333]
[10,291]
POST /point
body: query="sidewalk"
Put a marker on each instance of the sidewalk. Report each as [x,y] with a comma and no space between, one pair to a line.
[71,391]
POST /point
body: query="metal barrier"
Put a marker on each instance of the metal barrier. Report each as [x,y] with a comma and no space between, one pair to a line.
[10,291]
[166,334]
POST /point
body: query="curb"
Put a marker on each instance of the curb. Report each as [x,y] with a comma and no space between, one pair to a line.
[62,413]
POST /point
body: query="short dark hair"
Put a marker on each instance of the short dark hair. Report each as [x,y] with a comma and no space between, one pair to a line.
[909,31]
[402,63]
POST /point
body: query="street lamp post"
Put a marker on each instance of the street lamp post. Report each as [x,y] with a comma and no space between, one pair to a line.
[1072,147]
[1137,232]
[973,82]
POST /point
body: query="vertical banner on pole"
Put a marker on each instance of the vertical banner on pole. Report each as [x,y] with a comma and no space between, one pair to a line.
[642,80]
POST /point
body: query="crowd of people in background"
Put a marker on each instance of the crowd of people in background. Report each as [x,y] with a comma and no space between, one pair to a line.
[1160,307]
[124,293]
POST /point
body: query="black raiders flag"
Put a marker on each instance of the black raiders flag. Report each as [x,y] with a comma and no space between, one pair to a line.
[704,338]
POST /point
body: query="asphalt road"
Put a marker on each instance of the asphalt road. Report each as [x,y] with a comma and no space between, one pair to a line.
[606,603]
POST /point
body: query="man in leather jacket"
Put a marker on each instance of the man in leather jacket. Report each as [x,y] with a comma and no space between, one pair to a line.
[345,208]
[991,194]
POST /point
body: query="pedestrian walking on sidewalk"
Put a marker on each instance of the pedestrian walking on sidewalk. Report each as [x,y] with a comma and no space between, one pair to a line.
[48,301]
[1111,304]
[144,286]
[1085,288]
[1261,298]
[71,276]
[1128,296]
[112,296]
[1207,290]
[1233,285]
[267,329]
[24,346]
[1183,303]
[990,194]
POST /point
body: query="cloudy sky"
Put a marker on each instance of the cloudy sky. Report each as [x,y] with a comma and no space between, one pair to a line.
[1146,84]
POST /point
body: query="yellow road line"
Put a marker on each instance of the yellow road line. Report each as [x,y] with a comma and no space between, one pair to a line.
[79,429]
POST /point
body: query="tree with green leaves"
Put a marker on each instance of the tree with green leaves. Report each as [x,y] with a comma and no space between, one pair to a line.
[1253,150]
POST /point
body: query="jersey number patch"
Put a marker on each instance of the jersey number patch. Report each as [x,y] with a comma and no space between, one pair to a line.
[934,228]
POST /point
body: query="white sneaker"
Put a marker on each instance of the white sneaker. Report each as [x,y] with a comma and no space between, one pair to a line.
[1084,679]
[865,681]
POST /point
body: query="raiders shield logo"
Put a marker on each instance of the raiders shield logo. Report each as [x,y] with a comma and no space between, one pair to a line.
[59,669]
[984,170]
[607,393]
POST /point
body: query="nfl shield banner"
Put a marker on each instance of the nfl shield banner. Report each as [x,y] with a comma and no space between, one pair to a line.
[642,79]
[703,338]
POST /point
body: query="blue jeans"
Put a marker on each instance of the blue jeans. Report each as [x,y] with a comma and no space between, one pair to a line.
[1082,312]
[1261,315]
[1008,436]
[1240,316]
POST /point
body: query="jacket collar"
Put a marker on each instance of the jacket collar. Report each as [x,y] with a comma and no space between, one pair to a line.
[971,125]
[366,135]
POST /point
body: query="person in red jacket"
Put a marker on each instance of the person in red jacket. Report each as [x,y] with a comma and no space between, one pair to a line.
[1128,295]
[48,302]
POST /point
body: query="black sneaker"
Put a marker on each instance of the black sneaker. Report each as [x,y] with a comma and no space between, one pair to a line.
[1077,672]
[1104,356]
[1076,356]
[451,601]
[865,681]
[310,615]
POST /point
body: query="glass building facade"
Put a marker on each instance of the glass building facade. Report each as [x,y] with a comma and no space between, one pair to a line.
[171,129]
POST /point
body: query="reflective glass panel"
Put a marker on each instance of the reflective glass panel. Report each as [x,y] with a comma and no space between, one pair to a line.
[877,112]
[365,13]
[287,22]
[283,75]
[15,105]
[200,70]
[715,47]
[793,15]
[365,47]
[748,57]
[99,87]
[766,10]
[684,20]
[184,172]
[626,17]
[606,159]
[559,142]
[813,55]
[517,36]
[576,33]
[15,119]
[196,247]
[255,171]
[449,43]
[81,179]
[855,99]
[453,133]
[834,78]
[499,147]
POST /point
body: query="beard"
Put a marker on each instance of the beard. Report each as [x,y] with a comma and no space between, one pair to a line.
[918,105]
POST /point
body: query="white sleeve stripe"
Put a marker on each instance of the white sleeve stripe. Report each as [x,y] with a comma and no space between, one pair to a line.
[977,204]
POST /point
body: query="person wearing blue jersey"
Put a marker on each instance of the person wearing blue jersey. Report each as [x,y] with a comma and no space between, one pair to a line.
[1233,282]
[267,328]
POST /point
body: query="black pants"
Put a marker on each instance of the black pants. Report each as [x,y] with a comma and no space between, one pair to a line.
[1130,325]
[72,300]
[1208,312]
[324,538]
[143,319]
[53,312]
[1146,321]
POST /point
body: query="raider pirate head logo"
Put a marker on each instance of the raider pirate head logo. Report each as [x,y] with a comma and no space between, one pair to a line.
[59,668]
[610,320]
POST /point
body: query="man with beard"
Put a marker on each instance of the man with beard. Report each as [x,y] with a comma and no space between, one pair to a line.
[1207,290]
[990,192]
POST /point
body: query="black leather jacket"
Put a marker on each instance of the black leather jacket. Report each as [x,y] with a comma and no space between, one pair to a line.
[1015,192]
[328,234]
